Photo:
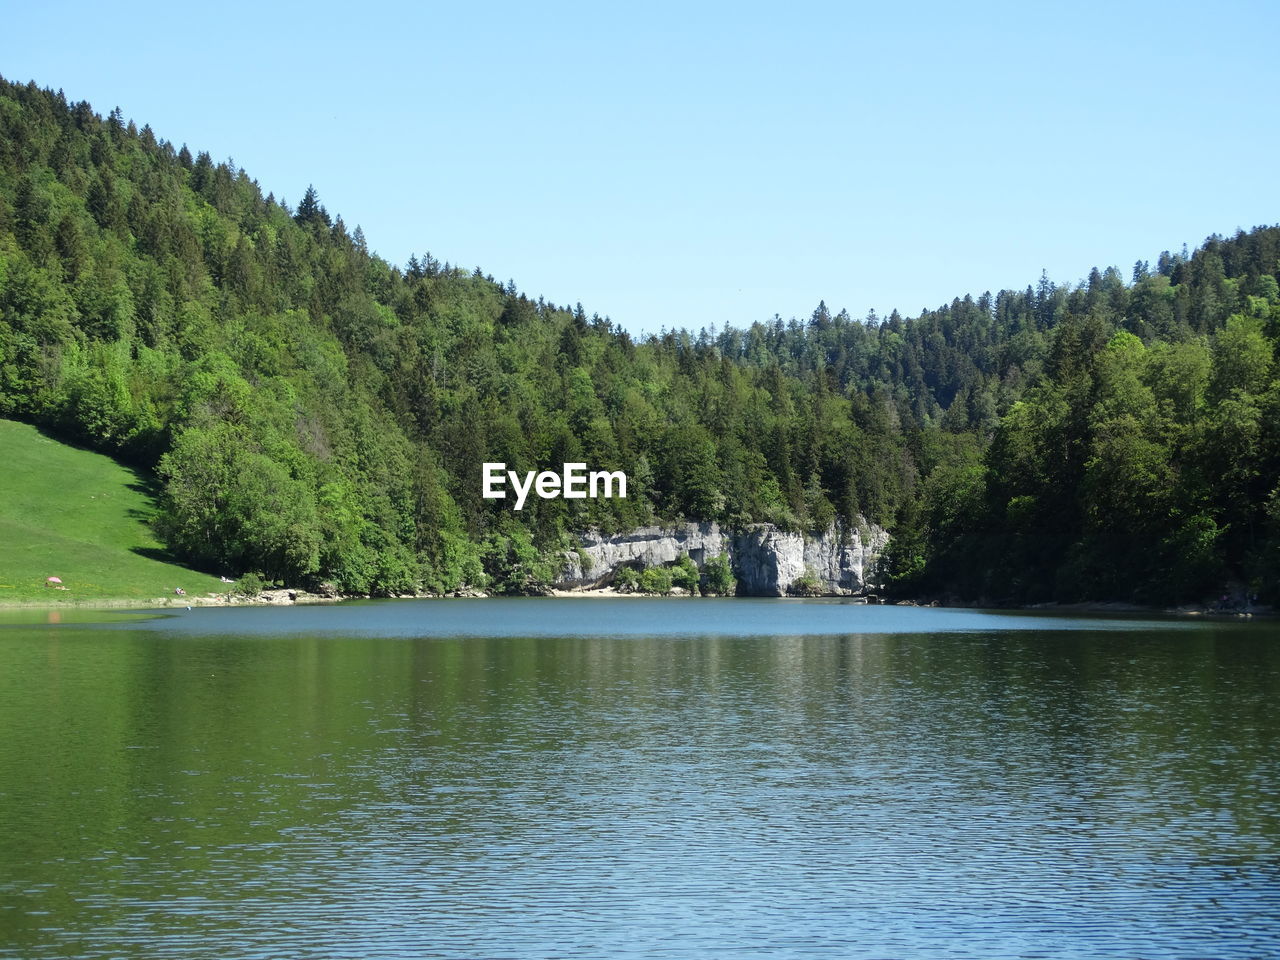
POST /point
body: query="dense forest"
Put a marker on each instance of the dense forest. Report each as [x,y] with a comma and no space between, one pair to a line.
[312,412]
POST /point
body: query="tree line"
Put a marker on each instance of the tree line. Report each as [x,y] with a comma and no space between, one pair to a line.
[315,413]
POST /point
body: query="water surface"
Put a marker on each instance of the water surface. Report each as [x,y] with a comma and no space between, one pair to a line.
[593,778]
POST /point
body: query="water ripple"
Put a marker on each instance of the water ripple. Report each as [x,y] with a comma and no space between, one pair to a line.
[941,796]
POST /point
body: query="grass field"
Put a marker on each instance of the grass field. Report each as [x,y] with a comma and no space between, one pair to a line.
[83,517]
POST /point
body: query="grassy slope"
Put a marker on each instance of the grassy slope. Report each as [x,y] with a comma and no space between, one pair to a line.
[77,515]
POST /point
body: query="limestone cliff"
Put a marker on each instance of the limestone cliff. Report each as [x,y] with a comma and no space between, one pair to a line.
[766,561]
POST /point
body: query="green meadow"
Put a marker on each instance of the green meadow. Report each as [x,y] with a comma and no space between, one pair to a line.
[81,517]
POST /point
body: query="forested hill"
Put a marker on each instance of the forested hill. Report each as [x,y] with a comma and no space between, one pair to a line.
[316,413]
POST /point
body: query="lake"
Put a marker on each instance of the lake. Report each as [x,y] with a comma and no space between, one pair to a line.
[637,778]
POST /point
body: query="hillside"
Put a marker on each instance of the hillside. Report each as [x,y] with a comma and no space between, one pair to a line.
[82,517]
[314,412]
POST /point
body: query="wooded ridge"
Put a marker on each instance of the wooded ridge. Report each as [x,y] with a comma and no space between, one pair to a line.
[315,413]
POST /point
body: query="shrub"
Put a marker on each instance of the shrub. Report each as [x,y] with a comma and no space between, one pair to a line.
[719,575]
[656,580]
[250,585]
[806,585]
[685,574]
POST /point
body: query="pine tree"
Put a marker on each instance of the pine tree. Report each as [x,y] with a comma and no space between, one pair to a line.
[310,211]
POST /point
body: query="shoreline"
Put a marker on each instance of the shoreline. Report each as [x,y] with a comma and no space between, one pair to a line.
[287,598]
[266,599]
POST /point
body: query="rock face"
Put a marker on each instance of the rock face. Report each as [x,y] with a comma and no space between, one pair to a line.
[767,561]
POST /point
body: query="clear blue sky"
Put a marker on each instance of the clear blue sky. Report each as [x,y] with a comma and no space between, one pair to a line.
[716,164]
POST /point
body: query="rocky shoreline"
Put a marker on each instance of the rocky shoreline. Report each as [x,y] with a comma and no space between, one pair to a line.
[766,561]
[285,598]
[268,598]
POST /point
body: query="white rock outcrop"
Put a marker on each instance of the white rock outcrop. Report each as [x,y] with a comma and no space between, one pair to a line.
[766,561]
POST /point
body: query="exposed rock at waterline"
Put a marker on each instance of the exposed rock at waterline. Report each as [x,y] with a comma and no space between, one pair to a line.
[767,562]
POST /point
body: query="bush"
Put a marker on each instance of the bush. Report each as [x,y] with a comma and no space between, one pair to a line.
[719,576]
[250,585]
[685,574]
[806,585]
[656,580]
[627,579]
